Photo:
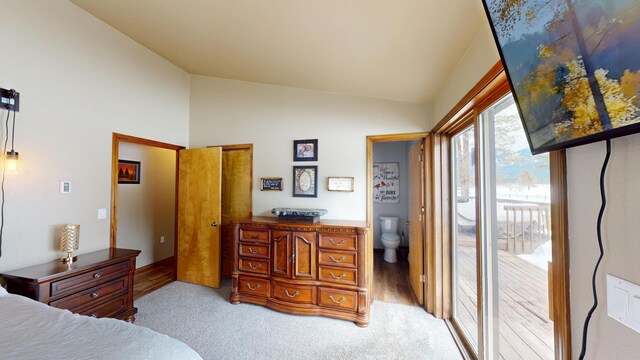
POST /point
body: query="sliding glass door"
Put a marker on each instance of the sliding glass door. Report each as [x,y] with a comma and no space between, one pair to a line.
[501,232]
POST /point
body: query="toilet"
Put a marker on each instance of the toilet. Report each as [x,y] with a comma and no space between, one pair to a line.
[390,238]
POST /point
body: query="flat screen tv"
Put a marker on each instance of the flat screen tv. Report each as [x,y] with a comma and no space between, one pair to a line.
[573,66]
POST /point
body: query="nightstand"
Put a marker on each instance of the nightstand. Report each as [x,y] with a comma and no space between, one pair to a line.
[97,284]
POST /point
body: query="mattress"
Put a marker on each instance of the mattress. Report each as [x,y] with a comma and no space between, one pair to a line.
[32,330]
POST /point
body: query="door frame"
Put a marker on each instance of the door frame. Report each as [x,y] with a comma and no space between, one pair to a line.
[115,149]
[492,87]
[428,251]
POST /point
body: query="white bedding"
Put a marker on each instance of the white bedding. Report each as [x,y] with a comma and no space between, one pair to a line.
[32,330]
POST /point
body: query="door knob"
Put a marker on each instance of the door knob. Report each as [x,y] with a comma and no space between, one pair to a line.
[214,224]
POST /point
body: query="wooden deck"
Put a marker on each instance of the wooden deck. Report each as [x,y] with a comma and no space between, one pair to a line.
[525,330]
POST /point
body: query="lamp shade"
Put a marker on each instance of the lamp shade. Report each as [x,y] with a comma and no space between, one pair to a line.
[70,239]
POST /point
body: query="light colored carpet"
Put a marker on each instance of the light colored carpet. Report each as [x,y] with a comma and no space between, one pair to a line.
[204,319]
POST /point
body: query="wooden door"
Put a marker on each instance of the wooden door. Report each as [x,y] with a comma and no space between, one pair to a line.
[199,188]
[415,222]
[281,243]
[237,185]
[304,250]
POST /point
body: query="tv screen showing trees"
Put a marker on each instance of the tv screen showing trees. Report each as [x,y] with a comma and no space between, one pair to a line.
[573,66]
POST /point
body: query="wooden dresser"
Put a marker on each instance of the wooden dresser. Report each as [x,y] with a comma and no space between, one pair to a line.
[321,269]
[98,284]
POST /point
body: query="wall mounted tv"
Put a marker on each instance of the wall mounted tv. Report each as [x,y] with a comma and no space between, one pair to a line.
[573,66]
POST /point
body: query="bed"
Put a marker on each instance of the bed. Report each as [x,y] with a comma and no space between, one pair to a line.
[33,330]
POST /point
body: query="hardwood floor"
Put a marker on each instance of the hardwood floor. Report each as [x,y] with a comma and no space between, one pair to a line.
[153,276]
[391,281]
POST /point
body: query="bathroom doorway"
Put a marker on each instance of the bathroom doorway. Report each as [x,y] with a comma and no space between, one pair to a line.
[397,213]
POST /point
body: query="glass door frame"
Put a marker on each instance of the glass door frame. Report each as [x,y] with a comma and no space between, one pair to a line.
[491,88]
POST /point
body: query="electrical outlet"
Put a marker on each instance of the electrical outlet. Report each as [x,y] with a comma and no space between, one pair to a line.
[161,239]
[102,214]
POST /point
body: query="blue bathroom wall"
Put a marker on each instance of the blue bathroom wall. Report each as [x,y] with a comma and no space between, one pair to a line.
[392,152]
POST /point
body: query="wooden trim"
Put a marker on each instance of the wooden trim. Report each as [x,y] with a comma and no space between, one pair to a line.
[495,77]
[492,87]
[115,149]
[159,263]
[425,137]
[560,253]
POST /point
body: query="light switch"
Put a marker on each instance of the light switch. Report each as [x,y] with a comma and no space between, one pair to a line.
[102,214]
[65,187]
[623,302]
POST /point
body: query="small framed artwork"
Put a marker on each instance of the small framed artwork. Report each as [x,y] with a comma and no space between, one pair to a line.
[271,184]
[340,184]
[128,172]
[305,181]
[305,150]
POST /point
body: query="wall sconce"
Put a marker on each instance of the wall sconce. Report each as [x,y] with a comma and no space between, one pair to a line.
[70,242]
[11,162]
[10,100]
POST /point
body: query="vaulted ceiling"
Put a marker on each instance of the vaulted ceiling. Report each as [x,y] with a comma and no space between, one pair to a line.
[390,49]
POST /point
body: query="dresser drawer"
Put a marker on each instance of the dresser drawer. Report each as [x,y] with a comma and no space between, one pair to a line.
[337,241]
[294,293]
[254,250]
[253,265]
[106,309]
[89,279]
[338,275]
[93,295]
[340,299]
[253,286]
[261,236]
[337,258]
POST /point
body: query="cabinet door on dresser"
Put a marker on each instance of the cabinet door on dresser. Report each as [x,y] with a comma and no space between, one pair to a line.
[281,242]
[304,249]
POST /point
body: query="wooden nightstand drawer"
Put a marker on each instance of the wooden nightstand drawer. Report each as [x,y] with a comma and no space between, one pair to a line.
[341,299]
[93,295]
[294,293]
[253,286]
[106,309]
[255,235]
[337,258]
[337,241]
[338,275]
[254,265]
[89,279]
[255,250]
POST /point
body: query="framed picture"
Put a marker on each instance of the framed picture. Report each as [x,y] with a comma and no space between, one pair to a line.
[128,172]
[305,150]
[386,183]
[271,184]
[340,184]
[305,181]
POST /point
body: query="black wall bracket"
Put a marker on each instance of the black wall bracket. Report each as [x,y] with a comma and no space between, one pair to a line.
[9,99]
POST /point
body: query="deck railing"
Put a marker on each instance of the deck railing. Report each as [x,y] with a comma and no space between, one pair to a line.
[526,227]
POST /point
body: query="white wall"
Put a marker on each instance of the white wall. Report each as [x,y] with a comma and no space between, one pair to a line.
[146,211]
[79,81]
[479,57]
[271,117]
[607,338]
[392,152]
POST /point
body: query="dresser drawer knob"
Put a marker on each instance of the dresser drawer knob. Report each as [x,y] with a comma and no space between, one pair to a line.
[294,294]
[342,242]
[93,315]
[254,251]
[253,288]
[343,258]
[255,267]
[94,295]
[342,299]
[337,277]
[96,276]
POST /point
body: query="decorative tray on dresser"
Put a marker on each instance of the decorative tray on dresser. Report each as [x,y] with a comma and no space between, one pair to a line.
[322,268]
[98,284]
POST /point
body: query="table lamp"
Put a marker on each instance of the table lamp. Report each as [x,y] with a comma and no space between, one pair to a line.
[69,241]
